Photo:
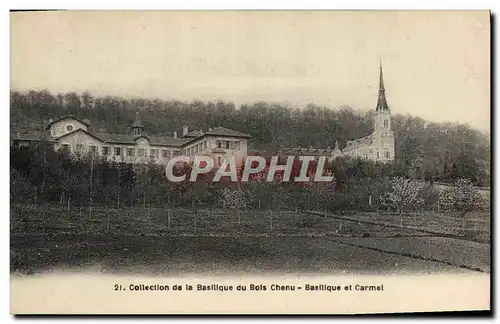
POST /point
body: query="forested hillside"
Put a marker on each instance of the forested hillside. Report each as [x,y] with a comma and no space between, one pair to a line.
[424,150]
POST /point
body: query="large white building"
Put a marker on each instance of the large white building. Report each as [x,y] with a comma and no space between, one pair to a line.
[220,143]
[75,135]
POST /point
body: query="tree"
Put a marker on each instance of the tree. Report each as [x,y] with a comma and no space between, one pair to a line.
[404,196]
[461,198]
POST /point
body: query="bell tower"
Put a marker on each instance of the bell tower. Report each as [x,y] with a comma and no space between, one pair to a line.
[137,126]
[383,135]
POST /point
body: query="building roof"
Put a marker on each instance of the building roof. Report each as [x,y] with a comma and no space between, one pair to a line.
[66,117]
[367,140]
[126,138]
[307,151]
[193,133]
[30,135]
[81,131]
[131,139]
[222,131]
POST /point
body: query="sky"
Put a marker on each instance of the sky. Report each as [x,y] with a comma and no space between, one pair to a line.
[436,64]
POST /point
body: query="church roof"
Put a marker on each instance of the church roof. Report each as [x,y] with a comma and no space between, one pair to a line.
[367,140]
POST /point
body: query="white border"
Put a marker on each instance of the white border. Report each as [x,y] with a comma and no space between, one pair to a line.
[188,5]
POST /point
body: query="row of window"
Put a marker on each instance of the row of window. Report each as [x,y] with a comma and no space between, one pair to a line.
[387,155]
[229,145]
[124,151]
[203,146]
[200,147]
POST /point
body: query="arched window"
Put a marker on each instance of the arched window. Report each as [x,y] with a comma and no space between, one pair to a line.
[386,123]
[387,154]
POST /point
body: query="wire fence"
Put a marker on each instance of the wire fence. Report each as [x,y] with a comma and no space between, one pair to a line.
[51,220]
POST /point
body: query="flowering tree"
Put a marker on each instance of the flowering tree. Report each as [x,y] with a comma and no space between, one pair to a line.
[404,195]
[461,198]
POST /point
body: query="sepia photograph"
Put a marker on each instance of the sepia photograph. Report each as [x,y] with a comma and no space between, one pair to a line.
[249,162]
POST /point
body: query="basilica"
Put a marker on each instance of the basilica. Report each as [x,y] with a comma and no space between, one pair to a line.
[377,146]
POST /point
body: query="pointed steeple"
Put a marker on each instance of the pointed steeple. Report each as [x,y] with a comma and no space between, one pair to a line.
[382,102]
[137,122]
[137,126]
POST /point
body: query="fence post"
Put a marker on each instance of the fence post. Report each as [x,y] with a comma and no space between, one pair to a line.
[195,220]
[69,202]
[168,217]
[271,219]
[326,214]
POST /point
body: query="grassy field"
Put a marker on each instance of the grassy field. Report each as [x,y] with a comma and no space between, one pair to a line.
[156,240]
[29,219]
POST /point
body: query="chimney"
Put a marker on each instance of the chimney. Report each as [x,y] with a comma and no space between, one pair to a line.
[210,129]
[175,135]
[87,121]
[184,130]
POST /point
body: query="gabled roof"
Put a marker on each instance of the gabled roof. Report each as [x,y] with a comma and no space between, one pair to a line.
[66,117]
[79,130]
[222,131]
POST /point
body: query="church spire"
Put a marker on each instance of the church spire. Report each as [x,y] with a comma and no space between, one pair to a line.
[382,102]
